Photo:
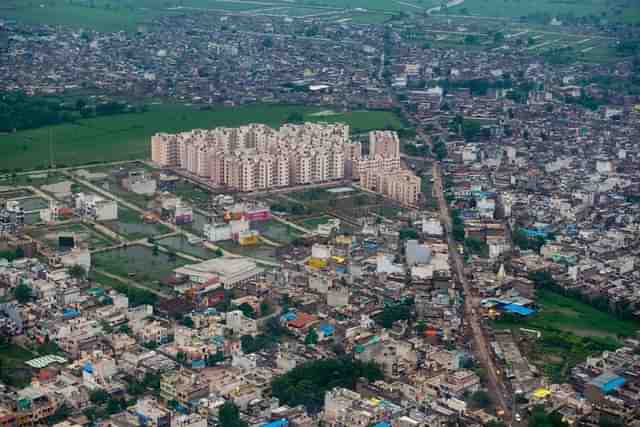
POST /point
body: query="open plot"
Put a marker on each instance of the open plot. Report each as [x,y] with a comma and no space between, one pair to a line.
[259,251]
[130,225]
[374,5]
[571,331]
[127,136]
[139,263]
[181,244]
[276,231]
[83,233]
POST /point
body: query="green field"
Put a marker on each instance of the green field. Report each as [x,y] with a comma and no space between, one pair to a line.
[137,262]
[571,331]
[619,10]
[127,136]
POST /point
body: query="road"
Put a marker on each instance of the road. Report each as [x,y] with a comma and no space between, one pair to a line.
[471,304]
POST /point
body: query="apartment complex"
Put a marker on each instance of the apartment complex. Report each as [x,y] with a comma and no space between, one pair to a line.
[256,157]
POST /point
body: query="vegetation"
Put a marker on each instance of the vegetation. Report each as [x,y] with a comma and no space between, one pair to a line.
[540,418]
[19,111]
[393,313]
[137,296]
[306,384]
[22,293]
[229,415]
[457,226]
[127,136]
[476,246]
[255,344]
[571,330]
[12,255]
[408,233]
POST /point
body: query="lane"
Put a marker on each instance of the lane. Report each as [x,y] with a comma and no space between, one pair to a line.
[471,304]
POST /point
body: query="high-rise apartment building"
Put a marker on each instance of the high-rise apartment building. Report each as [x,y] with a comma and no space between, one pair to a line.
[257,157]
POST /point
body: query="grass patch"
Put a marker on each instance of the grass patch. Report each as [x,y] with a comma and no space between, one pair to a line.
[13,370]
[137,262]
[128,136]
[276,231]
[86,234]
[130,225]
[571,331]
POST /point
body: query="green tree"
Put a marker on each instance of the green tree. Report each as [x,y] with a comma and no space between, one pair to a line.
[99,396]
[540,418]
[77,272]
[408,233]
[181,356]
[247,310]
[312,337]
[187,321]
[480,399]
[22,293]
[229,415]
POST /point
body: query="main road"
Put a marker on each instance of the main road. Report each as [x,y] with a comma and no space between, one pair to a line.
[471,306]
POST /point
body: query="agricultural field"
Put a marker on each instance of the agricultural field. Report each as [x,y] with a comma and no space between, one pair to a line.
[571,331]
[127,136]
[139,263]
[621,9]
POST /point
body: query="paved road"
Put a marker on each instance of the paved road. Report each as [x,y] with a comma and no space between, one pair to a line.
[471,304]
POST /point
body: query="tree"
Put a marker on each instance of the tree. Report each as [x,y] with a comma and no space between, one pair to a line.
[307,383]
[540,418]
[311,338]
[408,233]
[265,308]
[229,415]
[98,396]
[22,293]
[187,321]
[215,358]
[498,37]
[247,310]
[480,399]
[181,356]
[77,272]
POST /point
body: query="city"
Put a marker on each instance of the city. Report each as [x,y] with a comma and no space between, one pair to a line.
[300,213]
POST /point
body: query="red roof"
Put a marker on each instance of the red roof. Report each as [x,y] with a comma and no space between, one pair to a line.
[302,320]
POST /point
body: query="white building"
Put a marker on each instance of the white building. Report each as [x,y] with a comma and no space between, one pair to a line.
[96,207]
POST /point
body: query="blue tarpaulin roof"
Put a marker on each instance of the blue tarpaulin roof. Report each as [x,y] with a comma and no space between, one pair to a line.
[327,329]
[608,382]
[278,423]
[518,309]
[382,424]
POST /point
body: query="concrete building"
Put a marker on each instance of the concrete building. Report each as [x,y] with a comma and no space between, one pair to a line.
[257,157]
[96,207]
[401,186]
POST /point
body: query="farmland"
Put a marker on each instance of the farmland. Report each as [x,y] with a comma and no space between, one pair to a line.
[127,136]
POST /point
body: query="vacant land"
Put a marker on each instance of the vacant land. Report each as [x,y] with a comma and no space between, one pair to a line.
[127,136]
[84,233]
[571,331]
[138,262]
[130,225]
[276,231]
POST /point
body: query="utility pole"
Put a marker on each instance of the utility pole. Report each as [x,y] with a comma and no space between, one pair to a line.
[51,161]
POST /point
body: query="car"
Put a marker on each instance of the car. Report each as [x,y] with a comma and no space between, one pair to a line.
[518,417]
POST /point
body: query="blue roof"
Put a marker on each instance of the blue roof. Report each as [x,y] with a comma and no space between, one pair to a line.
[608,382]
[278,423]
[518,309]
[327,329]
[382,424]
[288,316]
